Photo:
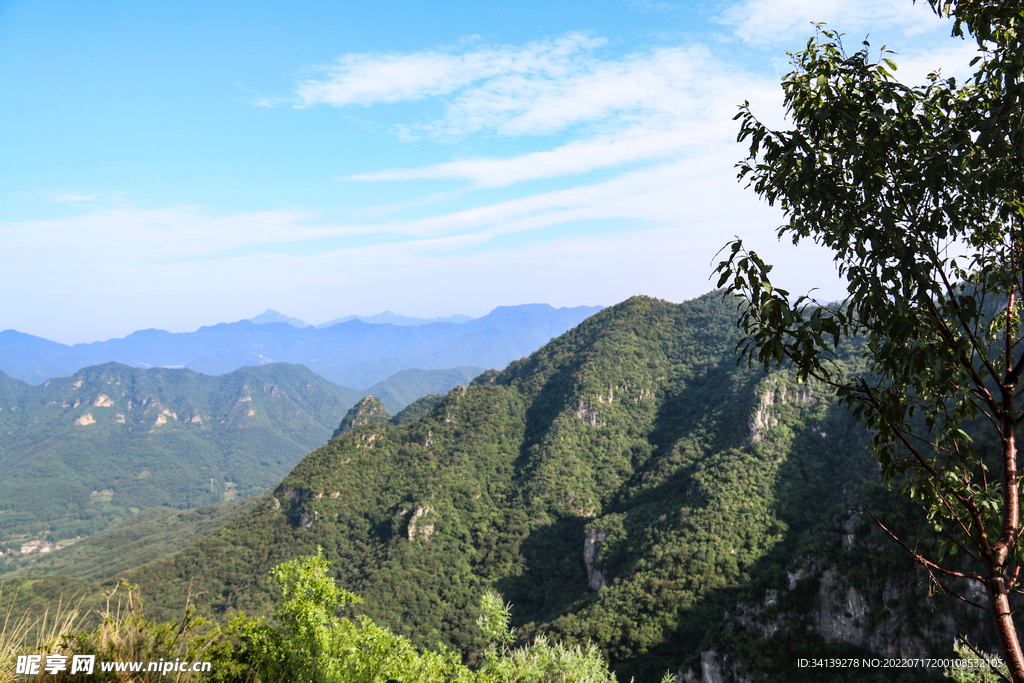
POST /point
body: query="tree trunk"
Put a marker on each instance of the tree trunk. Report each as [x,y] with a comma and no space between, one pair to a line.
[1000,604]
[1001,557]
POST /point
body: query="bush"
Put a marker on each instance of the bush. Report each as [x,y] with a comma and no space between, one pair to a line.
[307,642]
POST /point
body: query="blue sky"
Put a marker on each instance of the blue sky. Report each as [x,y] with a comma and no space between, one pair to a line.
[181,164]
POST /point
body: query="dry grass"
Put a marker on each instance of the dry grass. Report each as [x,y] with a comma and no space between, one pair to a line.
[50,631]
[123,635]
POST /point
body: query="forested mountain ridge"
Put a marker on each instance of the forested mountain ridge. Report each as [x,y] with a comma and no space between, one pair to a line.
[81,452]
[82,431]
[626,484]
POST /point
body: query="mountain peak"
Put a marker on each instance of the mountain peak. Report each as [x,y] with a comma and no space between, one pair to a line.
[369,410]
[272,316]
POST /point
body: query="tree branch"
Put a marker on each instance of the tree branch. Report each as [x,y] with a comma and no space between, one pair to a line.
[952,592]
[920,559]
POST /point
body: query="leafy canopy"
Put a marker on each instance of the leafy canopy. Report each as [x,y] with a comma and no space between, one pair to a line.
[919,194]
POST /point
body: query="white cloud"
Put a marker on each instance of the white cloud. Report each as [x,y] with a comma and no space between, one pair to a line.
[644,106]
[666,111]
[647,88]
[579,156]
[129,234]
[763,22]
[673,219]
[73,198]
[898,25]
[701,189]
[952,58]
[371,78]
[658,229]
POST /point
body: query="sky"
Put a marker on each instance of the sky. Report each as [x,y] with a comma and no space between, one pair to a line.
[174,165]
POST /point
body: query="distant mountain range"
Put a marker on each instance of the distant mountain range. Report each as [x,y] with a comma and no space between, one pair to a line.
[395,319]
[387,317]
[353,353]
[82,452]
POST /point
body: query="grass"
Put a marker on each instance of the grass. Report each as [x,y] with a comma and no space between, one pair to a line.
[18,632]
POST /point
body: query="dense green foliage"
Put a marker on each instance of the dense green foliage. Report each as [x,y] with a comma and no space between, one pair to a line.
[627,485]
[406,386]
[368,411]
[113,440]
[417,409]
[307,640]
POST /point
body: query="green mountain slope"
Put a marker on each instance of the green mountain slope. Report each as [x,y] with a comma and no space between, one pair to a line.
[405,386]
[143,537]
[626,484]
[82,452]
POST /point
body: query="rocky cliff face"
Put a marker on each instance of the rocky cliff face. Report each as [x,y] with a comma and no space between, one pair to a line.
[595,578]
[852,589]
[848,608]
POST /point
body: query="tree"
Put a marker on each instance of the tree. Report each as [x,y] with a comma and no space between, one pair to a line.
[307,642]
[919,194]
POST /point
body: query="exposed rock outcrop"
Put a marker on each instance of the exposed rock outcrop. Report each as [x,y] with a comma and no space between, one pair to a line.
[774,393]
[417,530]
[591,546]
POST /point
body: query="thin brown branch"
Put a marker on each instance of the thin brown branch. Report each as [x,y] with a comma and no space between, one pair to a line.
[956,595]
[958,543]
[965,362]
[971,336]
[921,559]
[971,508]
[991,418]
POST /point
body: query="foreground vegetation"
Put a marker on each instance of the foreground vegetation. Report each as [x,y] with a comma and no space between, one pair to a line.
[308,640]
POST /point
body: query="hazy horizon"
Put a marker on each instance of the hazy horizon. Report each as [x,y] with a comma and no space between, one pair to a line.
[179,166]
[306,322]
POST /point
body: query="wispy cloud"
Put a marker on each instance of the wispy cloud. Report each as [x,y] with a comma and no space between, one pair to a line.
[127,234]
[894,24]
[640,88]
[366,79]
[765,22]
[535,89]
[73,198]
[643,106]
[580,156]
[653,230]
